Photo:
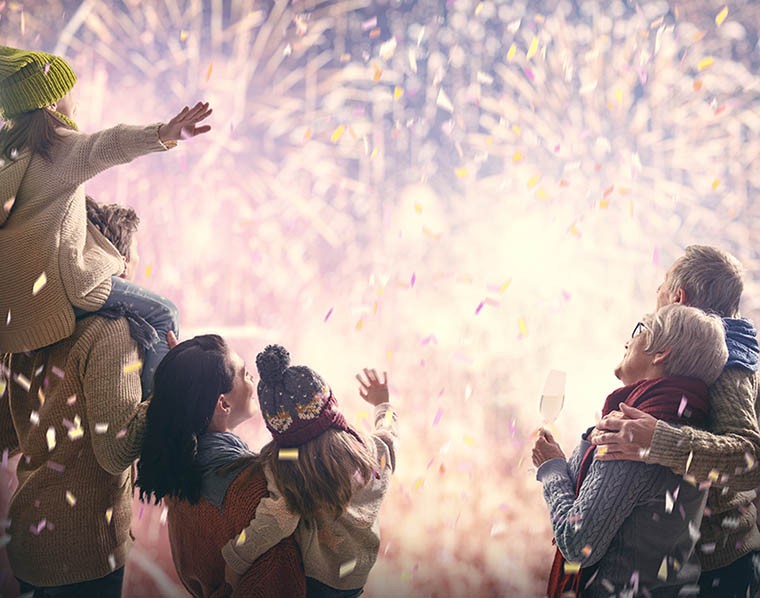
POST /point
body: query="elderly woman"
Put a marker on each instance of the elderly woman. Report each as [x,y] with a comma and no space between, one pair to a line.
[628,528]
[189,457]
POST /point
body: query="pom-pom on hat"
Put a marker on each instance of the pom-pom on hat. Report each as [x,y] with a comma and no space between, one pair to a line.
[31,80]
[296,403]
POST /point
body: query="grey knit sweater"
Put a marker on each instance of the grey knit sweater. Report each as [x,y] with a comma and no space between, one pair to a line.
[638,522]
[728,456]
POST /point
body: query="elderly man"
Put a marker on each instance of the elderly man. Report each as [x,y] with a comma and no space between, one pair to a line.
[727,454]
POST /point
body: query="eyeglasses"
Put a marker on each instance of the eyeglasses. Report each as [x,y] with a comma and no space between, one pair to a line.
[638,329]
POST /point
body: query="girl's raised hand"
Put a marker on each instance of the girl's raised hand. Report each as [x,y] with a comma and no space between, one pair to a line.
[372,390]
[183,126]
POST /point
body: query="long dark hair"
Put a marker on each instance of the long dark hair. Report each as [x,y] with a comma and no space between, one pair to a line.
[188,382]
[35,130]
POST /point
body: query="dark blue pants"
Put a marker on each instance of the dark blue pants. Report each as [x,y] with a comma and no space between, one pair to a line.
[740,579]
[105,587]
[316,589]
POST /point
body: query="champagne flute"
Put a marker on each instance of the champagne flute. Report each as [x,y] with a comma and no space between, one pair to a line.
[553,396]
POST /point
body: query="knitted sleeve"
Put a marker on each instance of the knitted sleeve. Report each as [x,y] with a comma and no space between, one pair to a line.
[111,386]
[585,526]
[574,462]
[8,436]
[272,522]
[386,431]
[81,156]
[729,453]
[279,572]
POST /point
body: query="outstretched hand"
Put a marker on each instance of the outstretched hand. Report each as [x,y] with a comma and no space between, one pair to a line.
[545,448]
[372,390]
[627,435]
[183,126]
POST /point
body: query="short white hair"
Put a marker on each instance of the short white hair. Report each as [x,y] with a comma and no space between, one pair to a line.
[696,341]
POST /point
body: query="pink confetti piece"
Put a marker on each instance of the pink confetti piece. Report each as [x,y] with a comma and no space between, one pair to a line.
[479,307]
[682,405]
[438,416]
[428,340]
[58,372]
[121,434]
[369,24]
[529,73]
[37,529]
[328,314]
[412,281]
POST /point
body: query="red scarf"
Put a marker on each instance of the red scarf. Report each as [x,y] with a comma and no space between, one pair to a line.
[674,399]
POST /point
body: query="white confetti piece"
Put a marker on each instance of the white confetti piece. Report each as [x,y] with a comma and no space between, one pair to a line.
[112,562]
[688,461]
[23,382]
[662,573]
[101,428]
[39,284]
[443,101]
[8,318]
[76,431]
[34,418]
[50,437]
[668,502]
[347,568]
[164,515]
[412,60]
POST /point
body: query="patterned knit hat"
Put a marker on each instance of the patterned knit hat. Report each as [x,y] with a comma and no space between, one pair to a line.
[31,80]
[296,403]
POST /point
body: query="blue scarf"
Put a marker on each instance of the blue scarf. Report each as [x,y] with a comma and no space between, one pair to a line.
[215,450]
[741,339]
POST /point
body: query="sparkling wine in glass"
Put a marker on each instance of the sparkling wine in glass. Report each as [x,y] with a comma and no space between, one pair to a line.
[553,396]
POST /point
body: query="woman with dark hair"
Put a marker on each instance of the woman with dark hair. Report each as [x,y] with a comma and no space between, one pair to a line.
[190,458]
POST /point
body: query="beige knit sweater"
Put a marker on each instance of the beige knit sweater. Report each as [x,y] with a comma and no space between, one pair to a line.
[729,457]
[52,257]
[338,552]
[74,411]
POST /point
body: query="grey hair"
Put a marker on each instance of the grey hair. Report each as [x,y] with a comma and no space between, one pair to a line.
[711,279]
[696,340]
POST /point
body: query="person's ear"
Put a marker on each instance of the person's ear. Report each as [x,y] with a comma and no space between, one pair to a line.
[660,357]
[680,296]
[222,404]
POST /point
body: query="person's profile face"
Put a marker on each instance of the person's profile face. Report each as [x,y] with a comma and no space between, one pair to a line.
[131,264]
[635,363]
[67,105]
[240,398]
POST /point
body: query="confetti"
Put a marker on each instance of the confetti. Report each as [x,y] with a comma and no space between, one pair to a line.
[57,372]
[240,539]
[8,204]
[183,35]
[208,72]
[713,475]
[359,324]
[586,551]
[411,54]
[133,367]
[40,396]
[163,516]
[443,101]
[109,514]
[668,502]
[662,573]
[749,459]
[76,432]
[288,454]
[461,173]
[715,184]
[378,72]
[533,181]
[112,561]
[101,428]
[571,568]
[397,93]
[328,314]
[3,384]
[34,418]
[50,437]
[8,318]
[522,326]
[517,157]
[533,48]
[71,400]
[369,24]
[338,133]
[511,53]
[347,568]
[70,498]
[688,461]
[39,284]
[721,16]
[412,280]
[121,434]
[479,307]
[438,416]
[682,405]
[705,63]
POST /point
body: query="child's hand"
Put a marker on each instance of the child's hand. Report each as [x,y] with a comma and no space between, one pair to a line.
[373,391]
[183,126]
[231,576]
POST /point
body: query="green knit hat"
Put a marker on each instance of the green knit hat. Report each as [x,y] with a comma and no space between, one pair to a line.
[31,80]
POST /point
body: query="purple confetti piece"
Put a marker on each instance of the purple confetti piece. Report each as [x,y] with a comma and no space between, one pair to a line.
[438,416]
[328,314]
[682,406]
[58,372]
[479,307]
[529,73]
[59,467]
[413,280]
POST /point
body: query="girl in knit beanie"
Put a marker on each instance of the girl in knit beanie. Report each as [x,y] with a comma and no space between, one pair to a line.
[55,267]
[326,481]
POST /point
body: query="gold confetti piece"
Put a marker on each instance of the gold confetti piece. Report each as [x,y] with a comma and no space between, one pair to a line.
[721,16]
[8,319]
[39,284]
[101,428]
[307,134]
[388,418]
[359,324]
[705,63]
[586,551]
[132,367]
[619,95]
[240,539]
[3,384]
[697,85]
[418,207]
[533,180]
[208,72]
[109,514]
[601,450]
[469,440]
[713,475]
[511,53]
[522,326]
[662,574]
[347,568]
[572,568]
[412,60]
[23,382]
[516,130]
[443,101]
[76,432]
[505,286]
[338,133]
[418,484]
[604,204]
[479,8]
[288,454]
[461,172]
[715,184]
[70,498]
[533,48]
[517,157]
[50,437]
[183,35]
[378,72]
[148,271]
[383,462]
[40,396]
[747,457]
[397,92]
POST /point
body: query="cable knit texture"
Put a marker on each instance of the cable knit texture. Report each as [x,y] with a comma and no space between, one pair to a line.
[729,457]
[331,544]
[78,420]
[198,532]
[638,522]
[46,231]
